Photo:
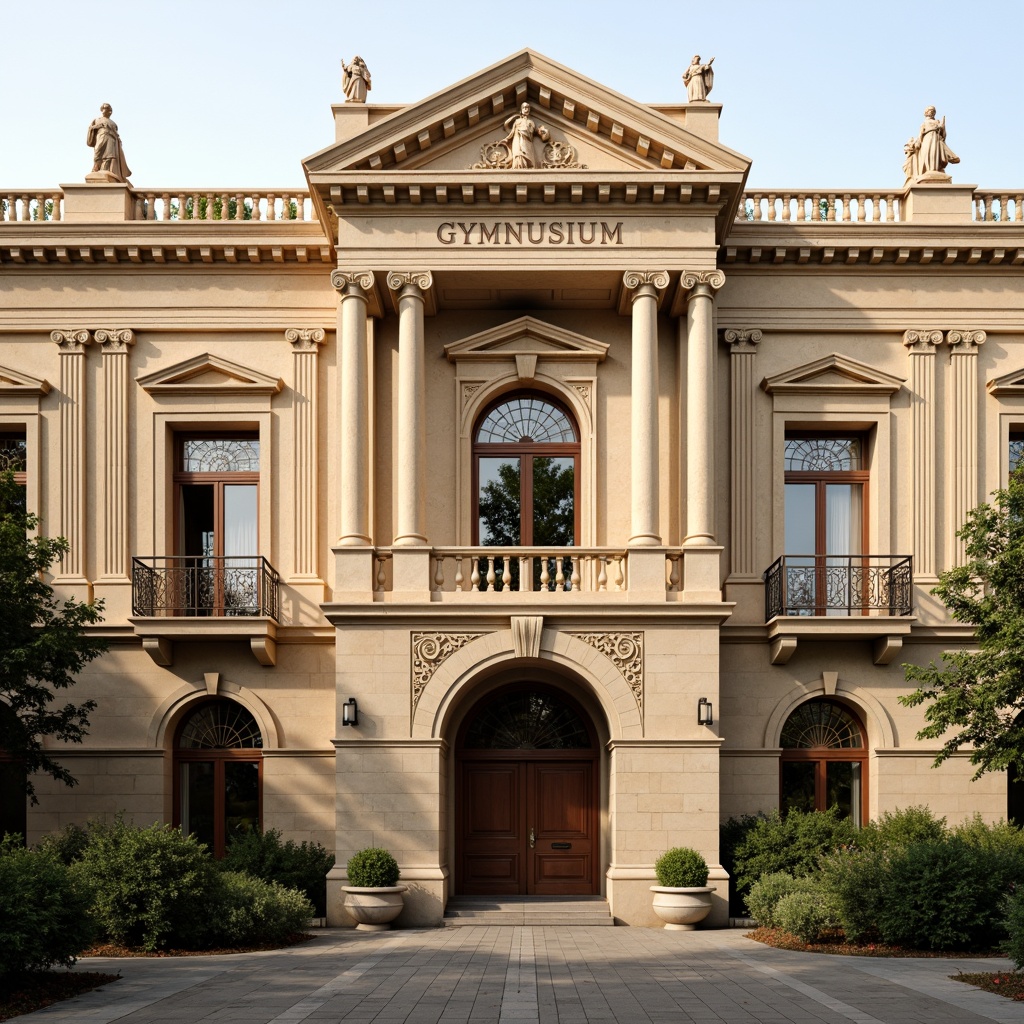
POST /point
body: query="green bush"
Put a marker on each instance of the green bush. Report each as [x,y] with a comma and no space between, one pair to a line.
[1001,836]
[853,880]
[249,911]
[152,886]
[731,834]
[892,829]
[301,866]
[805,914]
[794,843]
[768,890]
[681,868]
[1013,922]
[44,911]
[68,844]
[373,868]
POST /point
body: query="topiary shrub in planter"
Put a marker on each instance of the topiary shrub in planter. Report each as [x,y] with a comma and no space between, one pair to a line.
[373,898]
[682,897]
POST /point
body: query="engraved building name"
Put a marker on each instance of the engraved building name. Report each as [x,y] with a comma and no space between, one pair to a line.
[529,232]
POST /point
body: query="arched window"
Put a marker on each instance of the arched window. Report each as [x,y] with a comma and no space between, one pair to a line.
[218,773]
[824,760]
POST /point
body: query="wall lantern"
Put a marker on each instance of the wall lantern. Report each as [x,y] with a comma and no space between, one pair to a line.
[350,712]
[705,712]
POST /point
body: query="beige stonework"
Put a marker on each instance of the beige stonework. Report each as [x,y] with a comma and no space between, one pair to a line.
[360,330]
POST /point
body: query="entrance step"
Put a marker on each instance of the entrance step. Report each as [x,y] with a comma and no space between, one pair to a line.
[564,911]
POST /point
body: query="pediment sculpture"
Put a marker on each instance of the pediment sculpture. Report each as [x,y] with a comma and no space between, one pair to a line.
[518,149]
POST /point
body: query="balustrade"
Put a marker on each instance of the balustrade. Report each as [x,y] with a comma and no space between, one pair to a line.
[204,585]
[999,207]
[223,204]
[828,207]
[32,206]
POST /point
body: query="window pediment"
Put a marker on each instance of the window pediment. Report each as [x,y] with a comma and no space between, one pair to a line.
[832,375]
[526,340]
[13,383]
[209,374]
[1008,385]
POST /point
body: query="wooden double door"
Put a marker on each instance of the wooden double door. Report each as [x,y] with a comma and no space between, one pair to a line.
[527,823]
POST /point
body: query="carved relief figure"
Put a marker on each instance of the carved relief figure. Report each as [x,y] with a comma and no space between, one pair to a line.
[107,154]
[521,130]
[932,152]
[699,78]
[356,80]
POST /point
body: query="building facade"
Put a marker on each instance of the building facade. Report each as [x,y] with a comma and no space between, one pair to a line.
[527,496]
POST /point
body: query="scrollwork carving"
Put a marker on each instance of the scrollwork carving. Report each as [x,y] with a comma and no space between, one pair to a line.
[305,339]
[745,340]
[344,279]
[626,653]
[497,156]
[468,391]
[429,652]
[922,340]
[692,279]
[422,279]
[115,340]
[966,341]
[71,341]
[633,279]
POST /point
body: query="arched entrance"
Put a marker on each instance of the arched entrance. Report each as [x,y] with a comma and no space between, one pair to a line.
[526,796]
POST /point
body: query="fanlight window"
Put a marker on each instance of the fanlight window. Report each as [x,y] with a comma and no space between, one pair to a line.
[220,726]
[525,419]
[220,455]
[823,454]
[821,724]
[527,721]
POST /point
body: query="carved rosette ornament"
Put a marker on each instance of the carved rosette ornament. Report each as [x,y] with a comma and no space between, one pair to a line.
[965,341]
[745,340]
[305,339]
[343,280]
[635,279]
[922,340]
[115,341]
[626,653]
[71,341]
[702,280]
[429,652]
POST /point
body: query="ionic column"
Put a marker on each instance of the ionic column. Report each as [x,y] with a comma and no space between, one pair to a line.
[410,522]
[115,558]
[355,412]
[72,346]
[962,432]
[700,404]
[306,344]
[645,285]
[921,351]
[742,349]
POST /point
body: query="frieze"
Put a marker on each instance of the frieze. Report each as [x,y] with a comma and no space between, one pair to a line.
[429,652]
[530,232]
[626,653]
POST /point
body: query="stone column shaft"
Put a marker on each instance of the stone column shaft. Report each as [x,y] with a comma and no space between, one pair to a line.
[962,431]
[743,348]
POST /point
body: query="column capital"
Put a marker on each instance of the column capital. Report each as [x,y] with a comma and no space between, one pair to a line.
[305,339]
[965,342]
[421,279]
[117,340]
[344,280]
[634,280]
[701,282]
[922,340]
[71,341]
[743,340]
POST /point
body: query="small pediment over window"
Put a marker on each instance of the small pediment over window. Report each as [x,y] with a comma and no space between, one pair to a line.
[208,374]
[14,383]
[1007,385]
[832,375]
[528,338]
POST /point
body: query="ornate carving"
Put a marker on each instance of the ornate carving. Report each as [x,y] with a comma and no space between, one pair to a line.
[305,339]
[928,154]
[745,340]
[583,390]
[626,652]
[108,162]
[345,279]
[692,279]
[355,80]
[468,391]
[922,340]
[966,341]
[116,340]
[699,79]
[429,652]
[497,156]
[421,279]
[634,279]
[516,151]
[71,341]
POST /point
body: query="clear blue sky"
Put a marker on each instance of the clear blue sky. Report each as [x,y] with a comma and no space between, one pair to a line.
[225,93]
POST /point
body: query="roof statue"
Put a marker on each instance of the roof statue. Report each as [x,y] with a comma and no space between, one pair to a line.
[927,155]
[108,162]
[355,80]
[699,79]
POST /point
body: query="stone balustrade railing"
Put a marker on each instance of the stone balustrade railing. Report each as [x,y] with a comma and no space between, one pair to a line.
[822,207]
[999,207]
[223,204]
[32,205]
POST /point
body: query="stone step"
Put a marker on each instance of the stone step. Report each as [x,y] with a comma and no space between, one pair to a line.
[512,911]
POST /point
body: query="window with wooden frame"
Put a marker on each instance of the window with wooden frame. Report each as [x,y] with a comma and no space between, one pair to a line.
[1016,450]
[14,456]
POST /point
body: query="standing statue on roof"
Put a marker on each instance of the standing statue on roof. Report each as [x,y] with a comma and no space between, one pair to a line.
[699,78]
[932,152]
[108,162]
[355,80]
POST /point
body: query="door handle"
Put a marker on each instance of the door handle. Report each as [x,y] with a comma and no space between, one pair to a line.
[533,839]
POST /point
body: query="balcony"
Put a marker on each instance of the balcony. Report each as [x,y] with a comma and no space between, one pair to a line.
[203,598]
[836,597]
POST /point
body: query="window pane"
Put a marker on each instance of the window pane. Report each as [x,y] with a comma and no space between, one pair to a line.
[241,798]
[800,519]
[821,723]
[797,786]
[240,520]
[823,454]
[220,455]
[1016,451]
[222,725]
[13,453]
[197,800]
[500,501]
[842,788]
[842,519]
[554,515]
[528,418]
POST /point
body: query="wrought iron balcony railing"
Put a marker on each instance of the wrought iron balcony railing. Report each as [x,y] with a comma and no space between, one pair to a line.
[838,585]
[204,585]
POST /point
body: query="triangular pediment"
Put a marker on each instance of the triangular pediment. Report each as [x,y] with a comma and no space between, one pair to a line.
[209,374]
[527,339]
[447,132]
[14,383]
[831,375]
[1008,385]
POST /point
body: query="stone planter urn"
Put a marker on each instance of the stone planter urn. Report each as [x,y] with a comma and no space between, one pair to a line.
[374,908]
[684,907]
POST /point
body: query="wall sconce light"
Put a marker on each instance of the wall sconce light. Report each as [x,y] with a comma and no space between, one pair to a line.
[350,712]
[705,712]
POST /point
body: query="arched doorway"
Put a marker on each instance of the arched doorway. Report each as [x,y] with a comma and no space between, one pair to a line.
[526,796]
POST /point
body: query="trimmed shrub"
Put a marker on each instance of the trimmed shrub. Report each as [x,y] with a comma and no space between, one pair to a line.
[44,911]
[892,829]
[250,911]
[373,868]
[301,866]
[805,914]
[1013,922]
[68,844]
[768,890]
[680,868]
[1001,836]
[853,880]
[152,886]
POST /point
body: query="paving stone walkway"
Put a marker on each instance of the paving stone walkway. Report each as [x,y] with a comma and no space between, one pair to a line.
[545,975]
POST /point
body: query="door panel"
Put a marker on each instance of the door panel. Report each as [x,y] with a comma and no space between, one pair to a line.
[561,804]
[493,839]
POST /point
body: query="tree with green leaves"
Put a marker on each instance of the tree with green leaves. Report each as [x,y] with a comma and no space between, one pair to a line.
[43,643]
[976,696]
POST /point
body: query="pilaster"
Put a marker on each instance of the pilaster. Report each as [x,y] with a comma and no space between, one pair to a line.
[962,433]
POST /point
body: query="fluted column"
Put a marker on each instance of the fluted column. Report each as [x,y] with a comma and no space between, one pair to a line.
[115,558]
[72,345]
[742,349]
[410,527]
[645,285]
[921,352]
[305,344]
[700,404]
[354,287]
[962,432]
